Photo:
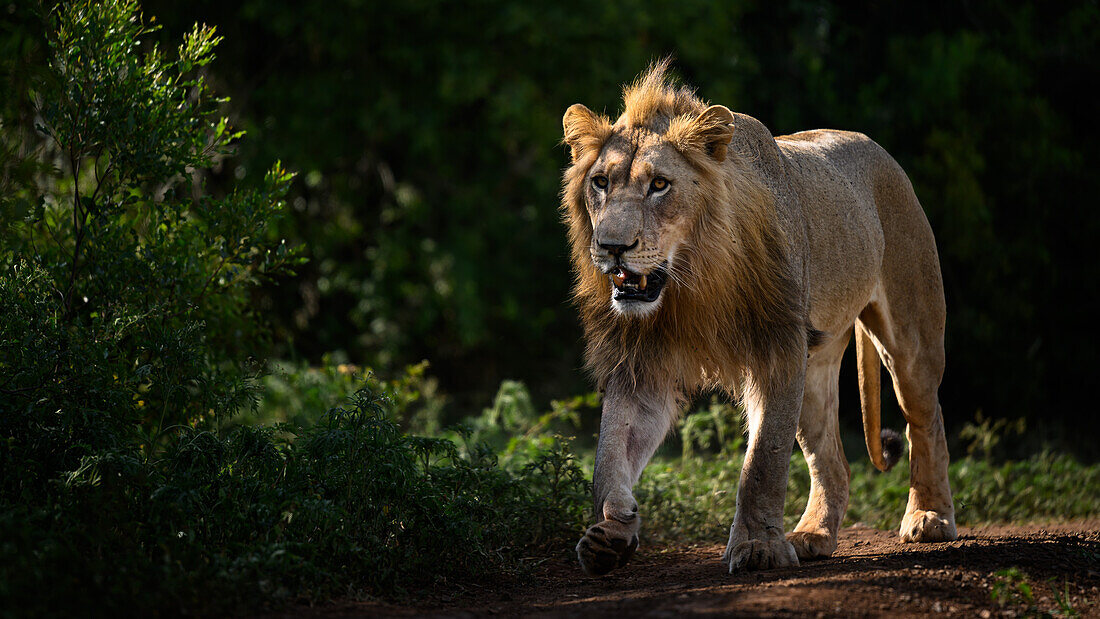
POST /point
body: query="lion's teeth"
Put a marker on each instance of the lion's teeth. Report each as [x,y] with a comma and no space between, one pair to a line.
[618,278]
[641,284]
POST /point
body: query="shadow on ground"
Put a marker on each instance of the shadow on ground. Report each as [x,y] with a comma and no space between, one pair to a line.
[871,574]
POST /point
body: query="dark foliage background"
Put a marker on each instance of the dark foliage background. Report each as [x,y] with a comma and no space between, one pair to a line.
[426,136]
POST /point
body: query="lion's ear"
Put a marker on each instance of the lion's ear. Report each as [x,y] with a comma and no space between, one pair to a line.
[711,131]
[583,129]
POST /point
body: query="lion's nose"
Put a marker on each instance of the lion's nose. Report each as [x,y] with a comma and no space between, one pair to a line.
[618,250]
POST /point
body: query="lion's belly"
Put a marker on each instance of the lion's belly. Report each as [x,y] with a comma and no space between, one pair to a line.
[843,232]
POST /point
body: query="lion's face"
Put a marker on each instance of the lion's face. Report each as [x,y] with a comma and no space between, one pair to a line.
[639,197]
[642,189]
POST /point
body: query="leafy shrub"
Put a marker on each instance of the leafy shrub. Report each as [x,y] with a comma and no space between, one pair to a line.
[719,427]
[984,434]
[126,330]
[125,312]
[263,515]
[513,427]
[300,393]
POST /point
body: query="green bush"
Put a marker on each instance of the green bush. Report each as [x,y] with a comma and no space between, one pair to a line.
[260,516]
[299,393]
[125,312]
[126,340]
[513,427]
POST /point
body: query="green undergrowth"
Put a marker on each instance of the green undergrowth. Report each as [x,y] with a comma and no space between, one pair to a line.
[692,497]
[349,506]
[694,500]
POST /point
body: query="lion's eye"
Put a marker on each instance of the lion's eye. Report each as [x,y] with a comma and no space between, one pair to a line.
[659,184]
[600,181]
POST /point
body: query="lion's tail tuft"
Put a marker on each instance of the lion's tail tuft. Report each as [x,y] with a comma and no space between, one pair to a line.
[893,447]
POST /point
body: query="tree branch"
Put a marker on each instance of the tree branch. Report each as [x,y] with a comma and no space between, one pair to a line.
[79,225]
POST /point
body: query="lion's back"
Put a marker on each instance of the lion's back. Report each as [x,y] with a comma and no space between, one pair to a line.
[848,161]
[847,155]
[853,195]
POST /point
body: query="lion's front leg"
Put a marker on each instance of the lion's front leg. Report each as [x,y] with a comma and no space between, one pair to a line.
[756,537]
[634,422]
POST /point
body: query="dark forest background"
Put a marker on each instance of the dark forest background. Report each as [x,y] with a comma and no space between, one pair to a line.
[426,140]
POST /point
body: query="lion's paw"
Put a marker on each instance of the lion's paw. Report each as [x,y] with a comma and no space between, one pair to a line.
[812,545]
[606,545]
[927,526]
[756,554]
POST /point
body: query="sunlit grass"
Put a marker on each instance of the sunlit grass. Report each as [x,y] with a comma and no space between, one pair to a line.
[695,499]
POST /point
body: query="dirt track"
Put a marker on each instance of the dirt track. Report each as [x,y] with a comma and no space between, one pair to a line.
[871,574]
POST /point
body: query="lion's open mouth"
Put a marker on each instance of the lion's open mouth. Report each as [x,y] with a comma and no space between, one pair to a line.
[636,287]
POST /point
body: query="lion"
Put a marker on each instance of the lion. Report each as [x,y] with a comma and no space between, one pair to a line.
[710,255]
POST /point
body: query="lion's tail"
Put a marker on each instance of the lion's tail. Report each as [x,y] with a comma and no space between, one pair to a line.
[884,446]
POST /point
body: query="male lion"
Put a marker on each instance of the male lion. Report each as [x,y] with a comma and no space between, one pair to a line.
[709,254]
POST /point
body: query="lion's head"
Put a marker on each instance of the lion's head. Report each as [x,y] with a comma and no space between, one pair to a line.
[643,184]
[674,245]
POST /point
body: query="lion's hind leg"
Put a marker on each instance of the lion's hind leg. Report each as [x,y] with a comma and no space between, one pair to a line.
[906,319]
[818,435]
[915,357]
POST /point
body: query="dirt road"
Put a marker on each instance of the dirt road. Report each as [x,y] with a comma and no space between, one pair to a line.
[871,574]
